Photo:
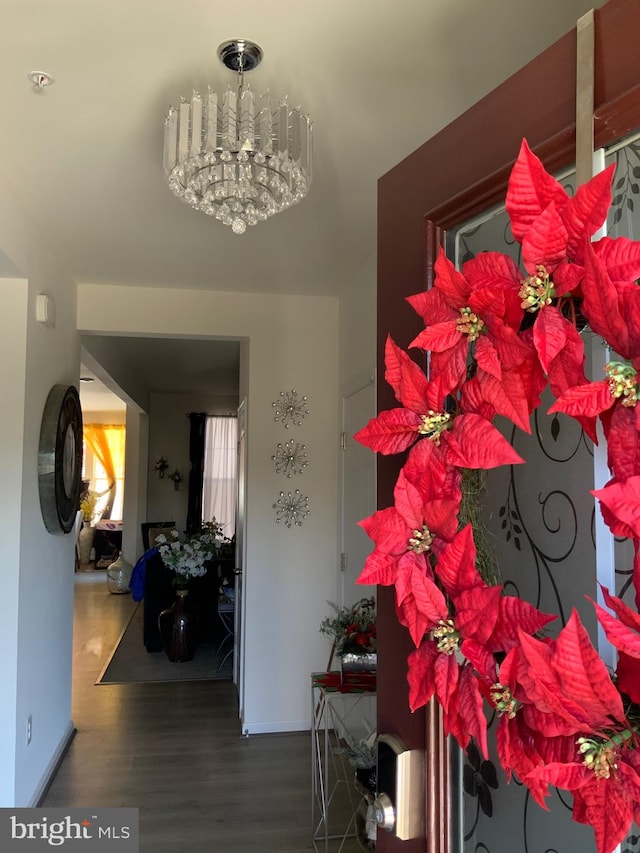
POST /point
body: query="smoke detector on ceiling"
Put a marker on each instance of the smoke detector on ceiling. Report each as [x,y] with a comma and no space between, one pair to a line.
[40,80]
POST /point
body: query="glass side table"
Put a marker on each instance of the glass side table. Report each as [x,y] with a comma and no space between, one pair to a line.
[341,715]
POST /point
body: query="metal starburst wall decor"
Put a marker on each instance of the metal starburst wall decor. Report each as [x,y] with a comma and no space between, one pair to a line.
[290,409]
[290,458]
[291,508]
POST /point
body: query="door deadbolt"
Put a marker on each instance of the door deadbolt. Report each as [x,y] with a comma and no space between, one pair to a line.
[399,805]
[384,812]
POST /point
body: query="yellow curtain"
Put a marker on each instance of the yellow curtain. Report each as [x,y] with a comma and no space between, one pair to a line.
[107,442]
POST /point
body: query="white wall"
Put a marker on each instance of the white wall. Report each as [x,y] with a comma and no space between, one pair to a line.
[169,437]
[37,567]
[135,494]
[13,329]
[289,573]
[90,416]
[358,326]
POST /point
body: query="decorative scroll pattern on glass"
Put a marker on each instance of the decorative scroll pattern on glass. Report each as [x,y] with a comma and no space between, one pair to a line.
[290,458]
[624,213]
[292,508]
[631,844]
[290,409]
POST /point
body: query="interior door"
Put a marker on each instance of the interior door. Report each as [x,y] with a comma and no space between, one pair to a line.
[358,492]
[461,172]
[238,637]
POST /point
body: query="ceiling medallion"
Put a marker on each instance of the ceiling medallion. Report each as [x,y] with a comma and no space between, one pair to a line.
[235,156]
[40,80]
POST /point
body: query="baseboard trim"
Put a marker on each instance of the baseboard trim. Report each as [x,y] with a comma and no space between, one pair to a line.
[281,727]
[52,768]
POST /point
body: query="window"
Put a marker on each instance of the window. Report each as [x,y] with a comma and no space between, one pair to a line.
[104,446]
[220,471]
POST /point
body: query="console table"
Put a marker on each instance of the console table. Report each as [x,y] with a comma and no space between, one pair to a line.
[107,542]
[341,715]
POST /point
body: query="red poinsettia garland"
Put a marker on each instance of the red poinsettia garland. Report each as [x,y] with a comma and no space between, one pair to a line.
[495,338]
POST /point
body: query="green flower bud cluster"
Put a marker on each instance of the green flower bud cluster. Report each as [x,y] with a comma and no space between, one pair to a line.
[504,701]
[623,382]
[537,290]
[421,540]
[447,636]
[599,756]
[469,324]
[434,424]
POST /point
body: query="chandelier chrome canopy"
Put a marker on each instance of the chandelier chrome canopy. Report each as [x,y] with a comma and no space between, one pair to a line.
[235,156]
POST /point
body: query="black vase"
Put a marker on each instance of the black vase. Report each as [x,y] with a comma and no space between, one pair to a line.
[178,627]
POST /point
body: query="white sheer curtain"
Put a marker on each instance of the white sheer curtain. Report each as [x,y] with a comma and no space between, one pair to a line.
[220,467]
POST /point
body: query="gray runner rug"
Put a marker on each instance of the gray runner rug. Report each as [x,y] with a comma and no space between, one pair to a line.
[130,662]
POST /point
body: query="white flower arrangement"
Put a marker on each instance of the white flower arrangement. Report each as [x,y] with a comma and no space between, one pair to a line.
[185,558]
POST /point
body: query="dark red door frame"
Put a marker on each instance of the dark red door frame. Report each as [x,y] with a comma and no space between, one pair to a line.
[456,174]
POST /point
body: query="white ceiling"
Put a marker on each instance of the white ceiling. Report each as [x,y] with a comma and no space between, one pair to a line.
[95,396]
[165,365]
[377,77]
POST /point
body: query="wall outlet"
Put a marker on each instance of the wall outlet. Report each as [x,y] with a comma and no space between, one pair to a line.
[29,729]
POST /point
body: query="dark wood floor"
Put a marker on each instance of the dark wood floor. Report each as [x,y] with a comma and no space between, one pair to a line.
[175,751]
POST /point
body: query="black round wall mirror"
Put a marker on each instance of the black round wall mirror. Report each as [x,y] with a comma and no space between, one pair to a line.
[60,459]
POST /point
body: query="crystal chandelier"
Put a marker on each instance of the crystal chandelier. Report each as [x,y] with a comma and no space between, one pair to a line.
[235,156]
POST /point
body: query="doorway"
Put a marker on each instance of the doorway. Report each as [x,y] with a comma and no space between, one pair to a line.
[358,473]
[156,382]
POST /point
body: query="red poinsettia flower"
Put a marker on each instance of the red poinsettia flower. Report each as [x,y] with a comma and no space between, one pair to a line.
[488,620]
[496,275]
[611,300]
[567,678]
[461,440]
[553,227]
[621,426]
[522,747]
[620,503]
[605,787]
[434,670]
[554,348]
[615,400]
[563,690]
[461,321]
[555,230]
[439,666]
[624,634]
[467,627]
[622,500]
[408,536]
